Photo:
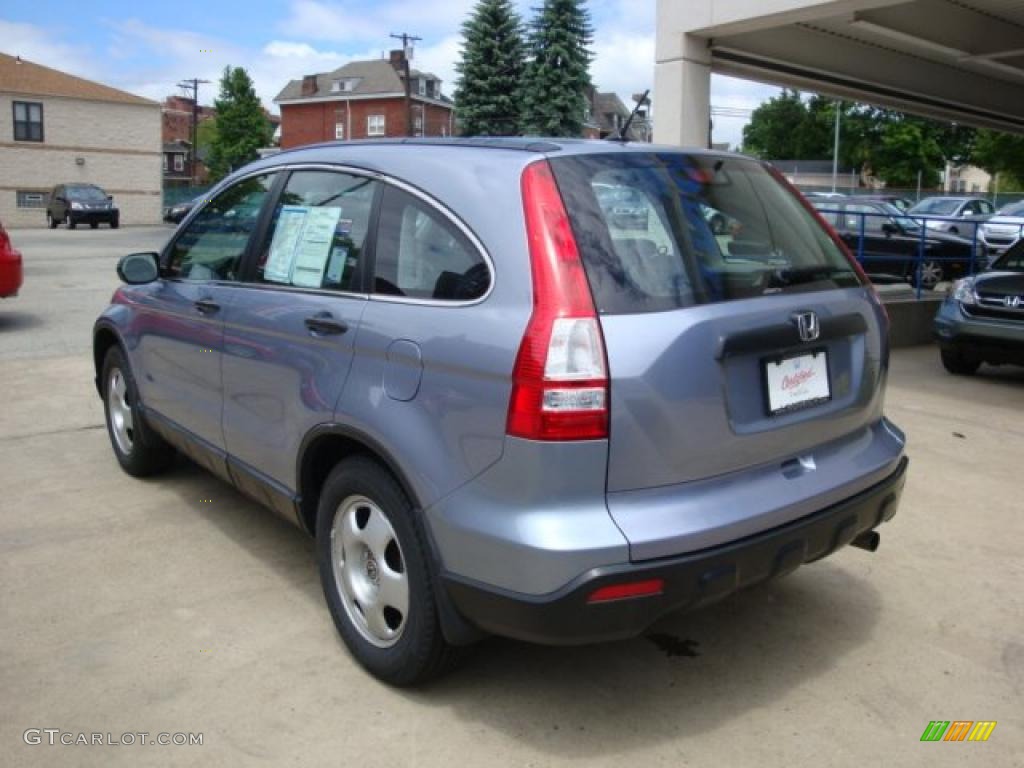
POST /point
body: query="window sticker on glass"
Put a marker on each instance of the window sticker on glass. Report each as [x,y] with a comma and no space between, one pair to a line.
[278,268]
[301,245]
[314,247]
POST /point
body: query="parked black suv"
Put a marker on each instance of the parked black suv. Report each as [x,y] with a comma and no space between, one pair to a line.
[891,241]
[74,204]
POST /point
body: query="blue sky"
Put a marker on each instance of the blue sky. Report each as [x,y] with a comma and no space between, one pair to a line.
[146,48]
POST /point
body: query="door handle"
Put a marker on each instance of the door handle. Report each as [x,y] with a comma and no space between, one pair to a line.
[324,324]
[207,306]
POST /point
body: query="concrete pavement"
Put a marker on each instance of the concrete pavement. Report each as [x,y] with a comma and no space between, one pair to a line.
[176,605]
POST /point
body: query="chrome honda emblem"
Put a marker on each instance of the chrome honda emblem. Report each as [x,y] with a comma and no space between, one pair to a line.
[808,326]
[1013,302]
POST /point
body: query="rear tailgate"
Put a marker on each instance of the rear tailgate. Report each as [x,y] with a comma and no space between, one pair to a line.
[689,394]
[731,354]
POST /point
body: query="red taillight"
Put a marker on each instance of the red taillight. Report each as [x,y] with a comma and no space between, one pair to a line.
[560,379]
[629,589]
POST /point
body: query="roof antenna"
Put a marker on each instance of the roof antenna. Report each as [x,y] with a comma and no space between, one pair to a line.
[621,135]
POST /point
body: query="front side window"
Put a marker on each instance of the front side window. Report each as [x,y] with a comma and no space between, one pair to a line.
[661,231]
[319,231]
[28,121]
[375,125]
[421,254]
[213,244]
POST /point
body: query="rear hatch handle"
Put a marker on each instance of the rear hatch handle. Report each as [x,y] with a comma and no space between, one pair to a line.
[784,335]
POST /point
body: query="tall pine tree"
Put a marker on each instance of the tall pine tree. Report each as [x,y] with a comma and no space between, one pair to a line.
[487,95]
[242,126]
[557,75]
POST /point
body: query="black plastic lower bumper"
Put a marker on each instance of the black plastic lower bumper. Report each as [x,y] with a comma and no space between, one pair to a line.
[565,617]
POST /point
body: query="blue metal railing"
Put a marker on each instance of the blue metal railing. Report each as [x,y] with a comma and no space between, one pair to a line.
[892,241]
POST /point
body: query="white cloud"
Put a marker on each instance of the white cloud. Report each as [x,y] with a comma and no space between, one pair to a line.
[42,46]
[623,63]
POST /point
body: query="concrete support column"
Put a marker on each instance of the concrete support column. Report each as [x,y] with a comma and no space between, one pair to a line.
[682,92]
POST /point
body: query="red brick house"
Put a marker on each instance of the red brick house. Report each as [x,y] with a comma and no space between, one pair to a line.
[363,99]
[177,139]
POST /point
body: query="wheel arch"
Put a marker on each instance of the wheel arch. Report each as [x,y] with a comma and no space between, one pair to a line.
[103,338]
[321,449]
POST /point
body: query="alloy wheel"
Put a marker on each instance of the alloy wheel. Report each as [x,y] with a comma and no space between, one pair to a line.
[119,406]
[931,274]
[369,571]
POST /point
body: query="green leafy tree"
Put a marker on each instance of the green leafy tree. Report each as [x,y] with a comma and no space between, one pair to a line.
[488,94]
[776,127]
[905,150]
[1001,153]
[557,74]
[242,127]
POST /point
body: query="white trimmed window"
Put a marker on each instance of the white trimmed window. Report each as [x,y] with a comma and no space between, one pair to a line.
[339,131]
[375,125]
[423,86]
[179,162]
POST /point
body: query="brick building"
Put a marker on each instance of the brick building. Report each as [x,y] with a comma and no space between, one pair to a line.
[176,127]
[56,128]
[363,99]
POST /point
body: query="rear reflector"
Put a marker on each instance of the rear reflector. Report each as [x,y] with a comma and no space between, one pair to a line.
[629,589]
[560,379]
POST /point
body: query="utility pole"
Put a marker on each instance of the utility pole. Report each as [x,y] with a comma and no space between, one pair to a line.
[185,85]
[407,41]
[835,149]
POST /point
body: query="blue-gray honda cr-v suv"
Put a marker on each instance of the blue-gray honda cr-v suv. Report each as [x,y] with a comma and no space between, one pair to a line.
[501,407]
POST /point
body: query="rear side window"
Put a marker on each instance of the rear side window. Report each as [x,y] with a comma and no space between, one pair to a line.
[421,254]
[319,231]
[661,231]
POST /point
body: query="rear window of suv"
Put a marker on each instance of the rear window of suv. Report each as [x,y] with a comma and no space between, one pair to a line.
[661,231]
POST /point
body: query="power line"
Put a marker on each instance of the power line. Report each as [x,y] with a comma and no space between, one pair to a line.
[406,39]
[185,85]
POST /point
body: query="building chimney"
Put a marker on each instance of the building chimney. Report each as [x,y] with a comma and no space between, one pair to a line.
[398,60]
[309,85]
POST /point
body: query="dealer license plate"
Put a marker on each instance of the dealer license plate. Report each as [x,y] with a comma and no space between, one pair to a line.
[797,382]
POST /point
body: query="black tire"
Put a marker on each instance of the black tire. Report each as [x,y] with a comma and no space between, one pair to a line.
[115,222]
[69,222]
[149,453]
[93,224]
[956,363]
[50,221]
[421,652]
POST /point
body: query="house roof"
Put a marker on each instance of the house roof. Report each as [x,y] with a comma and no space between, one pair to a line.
[374,76]
[24,77]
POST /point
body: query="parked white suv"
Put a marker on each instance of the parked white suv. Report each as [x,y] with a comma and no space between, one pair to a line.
[1003,230]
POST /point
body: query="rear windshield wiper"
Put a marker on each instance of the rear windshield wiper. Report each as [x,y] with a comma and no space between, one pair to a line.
[797,275]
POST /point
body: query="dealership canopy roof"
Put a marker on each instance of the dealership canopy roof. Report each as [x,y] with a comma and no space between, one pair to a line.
[960,60]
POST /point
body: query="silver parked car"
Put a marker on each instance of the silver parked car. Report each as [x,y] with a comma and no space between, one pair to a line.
[1004,229]
[498,405]
[955,215]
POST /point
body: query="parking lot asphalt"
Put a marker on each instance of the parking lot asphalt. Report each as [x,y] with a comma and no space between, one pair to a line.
[176,605]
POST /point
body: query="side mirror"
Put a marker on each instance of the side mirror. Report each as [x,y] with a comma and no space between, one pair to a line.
[139,268]
[110,198]
[890,228]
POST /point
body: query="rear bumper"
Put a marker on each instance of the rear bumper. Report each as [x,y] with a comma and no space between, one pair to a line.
[10,276]
[690,581]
